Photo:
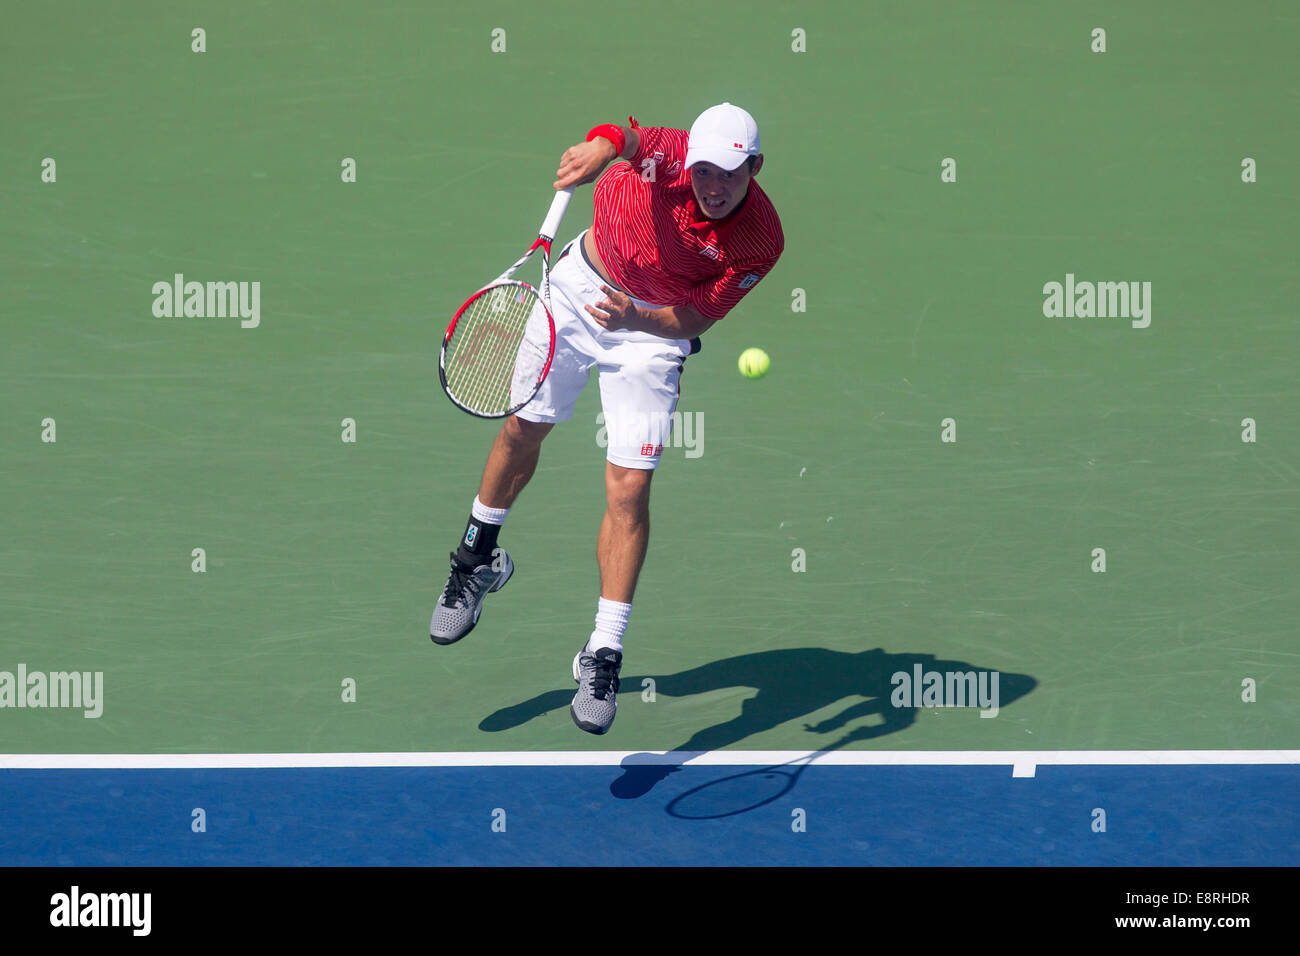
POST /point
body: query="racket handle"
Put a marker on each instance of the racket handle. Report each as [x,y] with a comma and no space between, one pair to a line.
[551,224]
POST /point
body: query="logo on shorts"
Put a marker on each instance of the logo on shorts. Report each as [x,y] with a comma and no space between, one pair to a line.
[750,280]
[650,451]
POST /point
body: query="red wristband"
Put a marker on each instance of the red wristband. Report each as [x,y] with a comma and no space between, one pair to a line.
[611,133]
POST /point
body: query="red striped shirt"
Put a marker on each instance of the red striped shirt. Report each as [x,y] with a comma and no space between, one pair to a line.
[658,244]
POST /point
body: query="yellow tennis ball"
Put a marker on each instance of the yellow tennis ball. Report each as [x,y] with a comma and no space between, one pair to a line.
[754,363]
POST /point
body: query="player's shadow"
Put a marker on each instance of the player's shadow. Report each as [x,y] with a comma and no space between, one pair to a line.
[790,684]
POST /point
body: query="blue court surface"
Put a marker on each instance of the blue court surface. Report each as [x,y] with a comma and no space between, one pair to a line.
[692,815]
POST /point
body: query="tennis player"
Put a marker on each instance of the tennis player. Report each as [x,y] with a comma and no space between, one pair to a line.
[681,233]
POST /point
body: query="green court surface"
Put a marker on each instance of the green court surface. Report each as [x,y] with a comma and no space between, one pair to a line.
[924,301]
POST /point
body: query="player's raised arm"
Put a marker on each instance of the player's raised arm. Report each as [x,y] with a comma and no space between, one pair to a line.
[583,162]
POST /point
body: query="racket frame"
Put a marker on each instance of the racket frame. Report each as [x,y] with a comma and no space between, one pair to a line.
[546,234]
[503,282]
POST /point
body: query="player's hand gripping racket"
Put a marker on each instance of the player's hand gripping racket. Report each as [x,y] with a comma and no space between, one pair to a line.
[499,346]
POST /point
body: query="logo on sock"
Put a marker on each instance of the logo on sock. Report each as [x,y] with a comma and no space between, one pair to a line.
[471,536]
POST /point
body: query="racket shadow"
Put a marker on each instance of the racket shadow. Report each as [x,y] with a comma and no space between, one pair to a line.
[743,792]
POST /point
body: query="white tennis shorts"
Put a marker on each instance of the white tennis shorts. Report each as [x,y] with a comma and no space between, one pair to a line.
[639,372]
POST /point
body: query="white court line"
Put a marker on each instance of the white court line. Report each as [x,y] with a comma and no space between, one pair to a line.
[1024,763]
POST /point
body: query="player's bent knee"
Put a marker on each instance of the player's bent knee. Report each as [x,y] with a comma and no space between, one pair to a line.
[627,489]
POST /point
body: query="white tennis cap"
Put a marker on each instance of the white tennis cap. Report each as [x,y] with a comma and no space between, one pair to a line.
[724,135]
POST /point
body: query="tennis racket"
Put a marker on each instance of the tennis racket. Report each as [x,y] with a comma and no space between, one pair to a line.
[499,346]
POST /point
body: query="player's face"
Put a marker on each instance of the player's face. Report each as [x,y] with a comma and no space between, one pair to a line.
[719,191]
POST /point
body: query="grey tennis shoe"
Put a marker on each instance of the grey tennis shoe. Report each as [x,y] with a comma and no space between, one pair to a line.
[595,703]
[462,599]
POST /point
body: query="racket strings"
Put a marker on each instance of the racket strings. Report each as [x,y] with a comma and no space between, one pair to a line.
[486,349]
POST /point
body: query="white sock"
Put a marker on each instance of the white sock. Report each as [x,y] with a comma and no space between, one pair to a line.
[482,513]
[611,622]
